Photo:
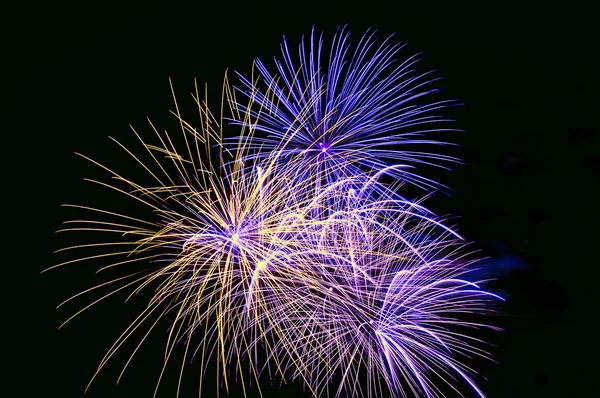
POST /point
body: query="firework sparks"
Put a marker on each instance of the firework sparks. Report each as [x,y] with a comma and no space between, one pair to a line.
[358,109]
[287,254]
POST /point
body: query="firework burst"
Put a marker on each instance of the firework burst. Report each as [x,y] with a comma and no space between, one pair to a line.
[378,297]
[287,254]
[357,108]
[210,242]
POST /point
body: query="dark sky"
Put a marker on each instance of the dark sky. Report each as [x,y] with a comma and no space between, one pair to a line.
[528,76]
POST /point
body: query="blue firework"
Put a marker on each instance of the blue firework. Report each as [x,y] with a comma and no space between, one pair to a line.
[359,107]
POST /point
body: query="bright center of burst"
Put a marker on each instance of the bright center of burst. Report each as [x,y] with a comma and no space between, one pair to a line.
[324,147]
[261,265]
[235,238]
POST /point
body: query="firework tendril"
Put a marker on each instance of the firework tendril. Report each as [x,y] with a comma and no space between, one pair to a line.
[289,251]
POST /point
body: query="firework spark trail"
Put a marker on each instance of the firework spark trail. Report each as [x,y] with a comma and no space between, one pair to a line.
[294,260]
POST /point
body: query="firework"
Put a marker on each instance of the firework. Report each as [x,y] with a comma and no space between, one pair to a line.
[209,243]
[287,254]
[387,310]
[378,298]
[342,111]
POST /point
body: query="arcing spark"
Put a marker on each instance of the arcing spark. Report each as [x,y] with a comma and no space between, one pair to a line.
[357,108]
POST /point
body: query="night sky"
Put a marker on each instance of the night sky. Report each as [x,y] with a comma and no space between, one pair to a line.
[528,77]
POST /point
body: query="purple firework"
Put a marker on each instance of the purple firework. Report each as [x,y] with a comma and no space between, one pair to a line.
[379,293]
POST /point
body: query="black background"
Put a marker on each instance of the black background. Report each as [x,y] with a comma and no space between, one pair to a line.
[527,74]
